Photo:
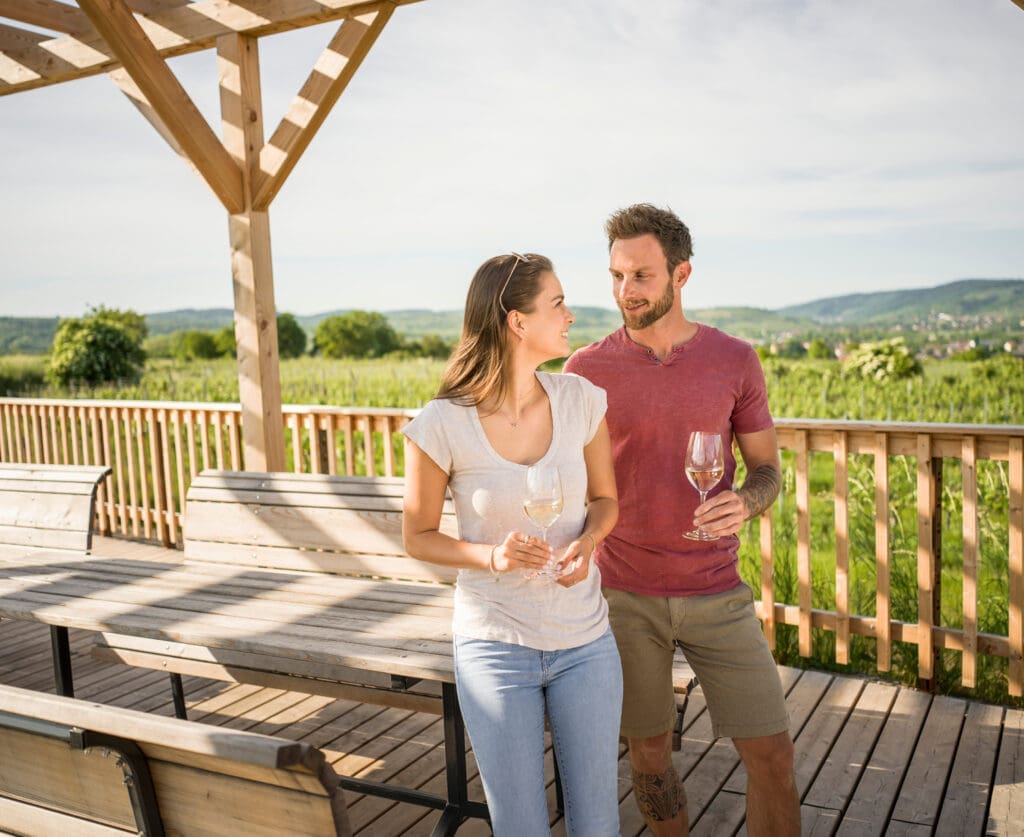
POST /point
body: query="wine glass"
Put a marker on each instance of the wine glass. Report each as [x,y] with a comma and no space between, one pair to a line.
[543,505]
[705,465]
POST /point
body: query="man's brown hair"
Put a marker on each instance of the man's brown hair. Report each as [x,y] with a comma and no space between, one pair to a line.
[647,219]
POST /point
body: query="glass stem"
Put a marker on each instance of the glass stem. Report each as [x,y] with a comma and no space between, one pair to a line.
[703,499]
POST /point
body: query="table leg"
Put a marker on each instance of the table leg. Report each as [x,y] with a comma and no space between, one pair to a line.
[178,696]
[61,661]
[458,806]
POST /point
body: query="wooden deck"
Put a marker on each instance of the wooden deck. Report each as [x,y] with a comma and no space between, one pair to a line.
[871,757]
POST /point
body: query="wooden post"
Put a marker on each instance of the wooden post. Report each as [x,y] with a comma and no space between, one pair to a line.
[259,385]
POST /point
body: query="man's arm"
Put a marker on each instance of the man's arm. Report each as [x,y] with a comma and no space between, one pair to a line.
[725,513]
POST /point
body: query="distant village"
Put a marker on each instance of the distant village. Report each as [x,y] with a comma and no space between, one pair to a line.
[938,336]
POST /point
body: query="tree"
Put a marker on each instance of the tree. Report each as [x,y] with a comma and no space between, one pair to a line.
[291,337]
[131,321]
[355,334]
[101,347]
[887,360]
[195,345]
[225,341]
[820,350]
[792,349]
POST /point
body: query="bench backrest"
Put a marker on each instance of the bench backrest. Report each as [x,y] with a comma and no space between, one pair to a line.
[313,522]
[207,780]
[48,506]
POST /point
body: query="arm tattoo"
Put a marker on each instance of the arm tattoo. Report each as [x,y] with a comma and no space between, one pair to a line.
[760,488]
[659,796]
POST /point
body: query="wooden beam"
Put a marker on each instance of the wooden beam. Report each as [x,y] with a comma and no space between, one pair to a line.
[47,14]
[11,37]
[259,382]
[174,31]
[1018,2]
[168,98]
[318,95]
[134,95]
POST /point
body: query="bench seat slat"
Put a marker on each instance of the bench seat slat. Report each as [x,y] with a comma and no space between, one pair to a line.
[35,538]
[263,615]
[409,658]
[26,818]
[45,511]
[377,594]
[322,563]
[321,527]
[84,784]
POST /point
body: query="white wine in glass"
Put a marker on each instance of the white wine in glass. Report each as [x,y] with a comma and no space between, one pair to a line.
[705,465]
[543,504]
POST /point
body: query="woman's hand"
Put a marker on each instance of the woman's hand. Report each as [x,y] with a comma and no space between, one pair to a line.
[575,561]
[520,552]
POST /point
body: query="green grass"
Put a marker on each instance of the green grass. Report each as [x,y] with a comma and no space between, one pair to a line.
[986,392]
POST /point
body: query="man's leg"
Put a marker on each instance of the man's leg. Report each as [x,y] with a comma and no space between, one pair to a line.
[643,632]
[773,806]
[657,787]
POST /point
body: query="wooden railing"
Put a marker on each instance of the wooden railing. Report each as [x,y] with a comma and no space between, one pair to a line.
[923,477]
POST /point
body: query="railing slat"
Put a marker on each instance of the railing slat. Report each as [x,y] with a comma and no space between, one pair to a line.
[768,576]
[969,476]
[803,543]
[140,434]
[882,596]
[925,558]
[841,493]
[1016,567]
[122,509]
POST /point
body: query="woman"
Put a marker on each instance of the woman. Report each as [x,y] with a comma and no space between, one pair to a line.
[525,644]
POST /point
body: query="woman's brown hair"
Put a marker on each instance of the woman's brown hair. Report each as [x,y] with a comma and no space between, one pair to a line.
[478,370]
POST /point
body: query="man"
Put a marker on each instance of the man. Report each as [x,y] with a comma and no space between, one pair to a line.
[667,376]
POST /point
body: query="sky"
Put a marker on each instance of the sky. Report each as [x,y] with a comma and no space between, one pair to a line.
[814,149]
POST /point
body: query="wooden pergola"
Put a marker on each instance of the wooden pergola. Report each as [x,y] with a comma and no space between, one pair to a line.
[131,40]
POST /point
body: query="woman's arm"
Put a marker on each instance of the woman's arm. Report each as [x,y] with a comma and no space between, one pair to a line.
[425,485]
[602,506]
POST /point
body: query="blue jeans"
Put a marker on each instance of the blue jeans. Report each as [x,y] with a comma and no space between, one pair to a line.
[504,691]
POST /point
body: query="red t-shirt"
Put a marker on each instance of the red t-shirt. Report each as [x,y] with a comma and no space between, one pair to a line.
[713,382]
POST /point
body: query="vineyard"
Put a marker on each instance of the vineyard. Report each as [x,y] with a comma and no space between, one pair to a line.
[983,392]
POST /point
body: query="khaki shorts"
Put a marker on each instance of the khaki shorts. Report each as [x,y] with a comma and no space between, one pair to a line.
[723,642]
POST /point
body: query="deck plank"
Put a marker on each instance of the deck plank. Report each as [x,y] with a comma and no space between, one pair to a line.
[920,796]
[872,758]
[868,810]
[965,803]
[1006,809]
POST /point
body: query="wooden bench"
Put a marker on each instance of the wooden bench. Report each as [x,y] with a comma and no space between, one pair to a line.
[89,770]
[48,506]
[346,528]
[333,539]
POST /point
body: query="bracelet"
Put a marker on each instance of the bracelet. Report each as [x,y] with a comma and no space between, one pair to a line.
[593,543]
[490,562]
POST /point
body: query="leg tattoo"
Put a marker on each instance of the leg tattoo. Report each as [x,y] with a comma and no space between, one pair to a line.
[659,796]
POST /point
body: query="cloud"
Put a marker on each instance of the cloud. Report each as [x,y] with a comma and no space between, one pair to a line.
[813,131]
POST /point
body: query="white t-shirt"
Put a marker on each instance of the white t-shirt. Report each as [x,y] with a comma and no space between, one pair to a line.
[488,492]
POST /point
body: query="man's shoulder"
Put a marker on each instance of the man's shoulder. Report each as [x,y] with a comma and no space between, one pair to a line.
[593,353]
[722,341]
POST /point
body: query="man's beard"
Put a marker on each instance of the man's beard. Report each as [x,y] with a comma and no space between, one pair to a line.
[650,315]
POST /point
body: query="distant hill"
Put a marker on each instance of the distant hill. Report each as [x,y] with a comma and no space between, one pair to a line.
[26,335]
[190,319]
[1001,299]
[968,304]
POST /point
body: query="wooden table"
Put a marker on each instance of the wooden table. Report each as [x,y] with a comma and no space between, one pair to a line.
[358,631]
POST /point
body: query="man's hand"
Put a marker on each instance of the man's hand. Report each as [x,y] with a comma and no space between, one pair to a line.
[722,515]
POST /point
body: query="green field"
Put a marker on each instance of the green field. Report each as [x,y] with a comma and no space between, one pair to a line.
[982,392]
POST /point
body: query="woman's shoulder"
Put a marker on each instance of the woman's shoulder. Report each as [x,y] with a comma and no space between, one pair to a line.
[570,382]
